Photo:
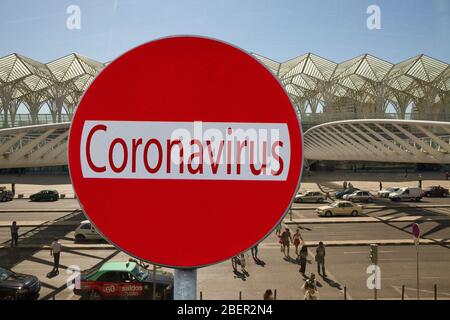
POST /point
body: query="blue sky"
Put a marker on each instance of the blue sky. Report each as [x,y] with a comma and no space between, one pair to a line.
[283,29]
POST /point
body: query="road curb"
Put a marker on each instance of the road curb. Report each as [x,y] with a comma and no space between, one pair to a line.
[37,210]
[360,243]
[364,219]
[418,206]
[65,247]
[356,243]
[34,224]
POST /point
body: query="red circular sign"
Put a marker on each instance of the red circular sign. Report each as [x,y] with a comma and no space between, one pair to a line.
[185,151]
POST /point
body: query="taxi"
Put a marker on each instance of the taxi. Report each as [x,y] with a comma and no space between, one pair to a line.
[124,280]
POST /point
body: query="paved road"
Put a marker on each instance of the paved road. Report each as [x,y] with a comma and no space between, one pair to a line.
[26,204]
[346,266]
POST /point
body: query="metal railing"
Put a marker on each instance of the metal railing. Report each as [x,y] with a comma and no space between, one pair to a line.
[21,120]
[308,119]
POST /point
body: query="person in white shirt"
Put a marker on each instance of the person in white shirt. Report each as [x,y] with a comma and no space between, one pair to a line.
[55,252]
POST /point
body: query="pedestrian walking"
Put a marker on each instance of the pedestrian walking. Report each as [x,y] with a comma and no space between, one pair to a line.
[285,240]
[310,287]
[13,189]
[14,234]
[420,181]
[406,173]
[320,259]
[55,252]
[243,264]
[234,263]
[297,240]
[349,185]
[255,252]
[303,259]
[268,295]
[446,175]
[381,186]
[344,185]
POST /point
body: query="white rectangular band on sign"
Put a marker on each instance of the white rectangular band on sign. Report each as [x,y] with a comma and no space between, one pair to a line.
[185,150]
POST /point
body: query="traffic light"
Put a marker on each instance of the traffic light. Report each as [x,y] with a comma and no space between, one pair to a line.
[374,253]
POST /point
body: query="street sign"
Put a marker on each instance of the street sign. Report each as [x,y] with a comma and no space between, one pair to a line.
[185,151]
[416,230]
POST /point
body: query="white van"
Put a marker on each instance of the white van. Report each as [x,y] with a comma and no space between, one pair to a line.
[406,194]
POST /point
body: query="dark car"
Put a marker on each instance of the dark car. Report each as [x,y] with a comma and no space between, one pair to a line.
[435,191]
[340,194]
[6,195]
[124,280]
[45,195]
[17,286]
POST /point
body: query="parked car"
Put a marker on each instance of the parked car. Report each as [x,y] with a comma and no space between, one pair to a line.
[340,194]
[338,208]
[386,192]
[359,196]
[6,195]
[435,191]
[17,286]
[124,280]
[45,195]
[310,196]
[86,231]
[406,194]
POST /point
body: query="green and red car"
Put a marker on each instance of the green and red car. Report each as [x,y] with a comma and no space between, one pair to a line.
[124,280]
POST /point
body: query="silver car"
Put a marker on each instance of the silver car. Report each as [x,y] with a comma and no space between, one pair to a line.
[359,196]
[310,196]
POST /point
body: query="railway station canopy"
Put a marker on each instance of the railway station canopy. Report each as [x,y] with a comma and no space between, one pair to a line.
[364,87]
[362,109]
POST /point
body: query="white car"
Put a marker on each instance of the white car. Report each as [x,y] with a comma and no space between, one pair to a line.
[386,192]
[338,208]
[310,196]
[359,196]
[86,231]
[406,194]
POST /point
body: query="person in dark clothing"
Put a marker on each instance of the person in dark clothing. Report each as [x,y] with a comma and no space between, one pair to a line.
[303,258]
[255,252]
[14,234]
[286,239]
[268,295]
[55,252]
[381,186]
[320,259]
[447,175]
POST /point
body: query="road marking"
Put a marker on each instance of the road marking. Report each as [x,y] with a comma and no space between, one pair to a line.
[399,290]
[428,291]
[365,252]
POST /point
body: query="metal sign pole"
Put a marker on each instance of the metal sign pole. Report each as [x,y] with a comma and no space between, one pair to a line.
[185,284]
[417,257]
[416,234]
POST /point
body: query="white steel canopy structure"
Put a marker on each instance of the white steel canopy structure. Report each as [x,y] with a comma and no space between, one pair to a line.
[380,140]
[59,84]
[400,141]
[321,90]
[34,146]
[364,86]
